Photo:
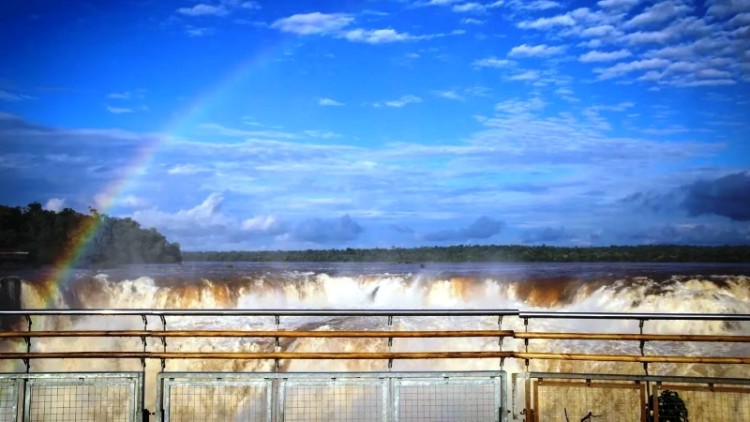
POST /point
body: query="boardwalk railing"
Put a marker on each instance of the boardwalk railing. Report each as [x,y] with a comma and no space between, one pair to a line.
[277,391]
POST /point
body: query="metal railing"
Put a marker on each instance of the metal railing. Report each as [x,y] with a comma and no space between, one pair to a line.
[163,332]
[278,333]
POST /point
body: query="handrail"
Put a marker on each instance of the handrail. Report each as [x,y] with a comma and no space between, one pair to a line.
[262,312]
[634,316]
[277,354]
[375,334]
[379,312]
[376,355]
[262,334]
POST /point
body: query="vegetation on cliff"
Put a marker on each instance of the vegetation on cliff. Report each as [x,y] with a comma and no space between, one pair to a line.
[49,235]
[492,253]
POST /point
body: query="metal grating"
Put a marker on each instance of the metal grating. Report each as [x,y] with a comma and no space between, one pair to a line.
[334,400]
[447,400]
[331,397]
[219,400]
[8,400]
[80,400]
[588,401]
[678,403]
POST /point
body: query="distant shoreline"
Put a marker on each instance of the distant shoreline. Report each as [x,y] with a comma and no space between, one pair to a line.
[489,253]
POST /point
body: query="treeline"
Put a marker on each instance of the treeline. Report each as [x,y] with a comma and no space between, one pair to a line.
[48,235]
[491,253]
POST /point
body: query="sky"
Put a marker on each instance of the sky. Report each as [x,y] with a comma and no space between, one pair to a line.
[265,125]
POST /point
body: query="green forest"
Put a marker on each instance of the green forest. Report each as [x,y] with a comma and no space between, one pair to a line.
[492,253]
[48,235]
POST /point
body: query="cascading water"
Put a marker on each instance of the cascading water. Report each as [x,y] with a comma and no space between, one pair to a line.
[675,289]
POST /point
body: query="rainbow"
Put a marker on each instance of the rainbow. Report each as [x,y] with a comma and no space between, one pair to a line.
[61,272]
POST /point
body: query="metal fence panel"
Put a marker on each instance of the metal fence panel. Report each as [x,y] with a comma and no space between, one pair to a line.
[8,400]
[448,399]
[82,397]
[335,400]
[344,397]
[217,400]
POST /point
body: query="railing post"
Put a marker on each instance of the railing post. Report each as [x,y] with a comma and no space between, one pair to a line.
[277,344]
[390,342]
[163,328]
[27,362]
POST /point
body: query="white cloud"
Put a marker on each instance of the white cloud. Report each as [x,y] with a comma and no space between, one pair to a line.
[493,62]
[449,95]
[533,5]
[120,95]
[626,67]
[335,24]
[474,7]
[378,36]
[520,107]
[472,21]
[322,134]
[547,23]
[255,134]
[441,2]
[597,31]
[658,13]
[54,204]
[313,23]
[186,169]
[132,201]
[529,75]
[198,32]
[713,74]
[721,8]
[604,56]
[119,110]
[329,102]
[8,96]
[202,9]
[404,100]
[741,19]
[541,50]
[206,214]
[264,225]
[618,4]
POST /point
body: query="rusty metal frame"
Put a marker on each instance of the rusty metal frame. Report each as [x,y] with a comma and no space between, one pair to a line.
[706,386]
[643,382]
[589,384]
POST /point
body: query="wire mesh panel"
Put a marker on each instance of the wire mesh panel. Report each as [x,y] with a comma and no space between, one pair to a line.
[680,402]
[8,400]
[356,400]
[588,401]
[331,397]
[448,399]
[218,400]
[63,398]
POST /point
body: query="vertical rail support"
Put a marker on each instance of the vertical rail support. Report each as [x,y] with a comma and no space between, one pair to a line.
[500,340]
[145,411]
[642,344]
[277,344]
[143,338]
[27,362]
[526,340]
[390,342]
[163,328]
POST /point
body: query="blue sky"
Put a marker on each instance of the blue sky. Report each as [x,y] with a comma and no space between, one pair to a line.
[230,124]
